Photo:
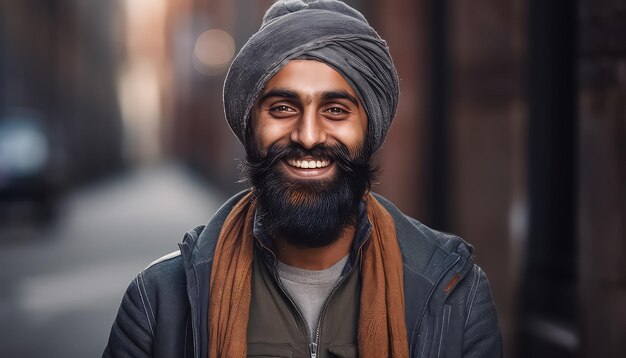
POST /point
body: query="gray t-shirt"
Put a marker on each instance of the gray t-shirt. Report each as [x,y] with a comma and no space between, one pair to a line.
[310,288]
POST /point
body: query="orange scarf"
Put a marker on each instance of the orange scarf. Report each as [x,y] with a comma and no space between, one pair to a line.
[382,330]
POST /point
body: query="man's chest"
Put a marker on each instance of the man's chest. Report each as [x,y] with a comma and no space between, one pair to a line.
[277,327]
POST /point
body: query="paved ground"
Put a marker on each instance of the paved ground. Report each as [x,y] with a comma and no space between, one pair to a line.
[60,287]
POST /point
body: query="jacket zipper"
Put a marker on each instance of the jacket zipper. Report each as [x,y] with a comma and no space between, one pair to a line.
[314,345]
[284,291]
[313,349]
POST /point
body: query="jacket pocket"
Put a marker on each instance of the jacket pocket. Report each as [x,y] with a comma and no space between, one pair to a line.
[269,350]
[343,351]
[443,332]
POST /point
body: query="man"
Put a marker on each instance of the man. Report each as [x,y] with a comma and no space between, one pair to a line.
[309,263]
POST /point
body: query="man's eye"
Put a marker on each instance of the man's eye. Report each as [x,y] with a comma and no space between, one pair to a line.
[335,110]
[281,108]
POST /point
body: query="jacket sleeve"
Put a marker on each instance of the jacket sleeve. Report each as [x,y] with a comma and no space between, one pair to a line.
[132,332]
[482,336]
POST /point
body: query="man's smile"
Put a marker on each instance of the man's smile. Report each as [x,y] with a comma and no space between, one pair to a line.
[308,164]
[309,168]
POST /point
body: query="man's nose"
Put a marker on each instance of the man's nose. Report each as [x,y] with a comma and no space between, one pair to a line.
[309,131]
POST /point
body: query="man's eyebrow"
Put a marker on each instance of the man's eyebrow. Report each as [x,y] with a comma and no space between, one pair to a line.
[326,95]
[340,94]
[278,92]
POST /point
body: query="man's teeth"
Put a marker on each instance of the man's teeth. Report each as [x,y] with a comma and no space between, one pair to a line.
[308,163]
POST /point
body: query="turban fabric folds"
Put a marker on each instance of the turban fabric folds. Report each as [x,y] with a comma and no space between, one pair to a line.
[324,30]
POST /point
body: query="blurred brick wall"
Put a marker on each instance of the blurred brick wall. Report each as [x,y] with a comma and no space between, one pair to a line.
[403,156]
[602,176]
[196,129]
[487,141]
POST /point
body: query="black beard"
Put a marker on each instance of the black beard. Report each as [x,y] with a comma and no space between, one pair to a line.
[308,213]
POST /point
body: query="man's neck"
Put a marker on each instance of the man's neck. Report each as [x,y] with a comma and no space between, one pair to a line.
[318,258]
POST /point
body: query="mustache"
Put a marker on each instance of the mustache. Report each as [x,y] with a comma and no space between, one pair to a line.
[307,213]
[339,153]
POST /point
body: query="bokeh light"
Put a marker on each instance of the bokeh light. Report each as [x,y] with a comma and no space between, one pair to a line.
[213,51]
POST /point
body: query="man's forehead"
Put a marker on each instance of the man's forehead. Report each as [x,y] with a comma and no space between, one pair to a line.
[309,78]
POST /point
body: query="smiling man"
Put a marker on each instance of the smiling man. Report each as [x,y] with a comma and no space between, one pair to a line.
[307,162]
[308,262]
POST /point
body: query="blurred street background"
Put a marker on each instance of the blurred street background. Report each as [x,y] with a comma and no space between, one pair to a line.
[510,132]
[62,284]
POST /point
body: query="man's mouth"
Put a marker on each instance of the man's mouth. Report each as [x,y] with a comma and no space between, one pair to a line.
[308,164]
[309,168]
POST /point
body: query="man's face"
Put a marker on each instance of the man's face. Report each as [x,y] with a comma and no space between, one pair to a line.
[308,103]
[307,161]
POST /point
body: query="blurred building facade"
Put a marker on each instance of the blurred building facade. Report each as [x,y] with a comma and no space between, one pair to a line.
[58,63]
[510,129]
[600,216]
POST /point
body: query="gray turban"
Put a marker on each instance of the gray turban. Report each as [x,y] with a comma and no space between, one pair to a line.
[324,30]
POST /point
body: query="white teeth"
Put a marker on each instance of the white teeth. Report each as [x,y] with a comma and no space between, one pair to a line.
[306,164]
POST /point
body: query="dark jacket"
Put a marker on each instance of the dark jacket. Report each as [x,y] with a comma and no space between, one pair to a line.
[449,310]
[277,328]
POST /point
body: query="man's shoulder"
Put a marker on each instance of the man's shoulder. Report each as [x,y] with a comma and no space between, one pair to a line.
[408,228]
[423,248]
[166,271]
[167,259]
